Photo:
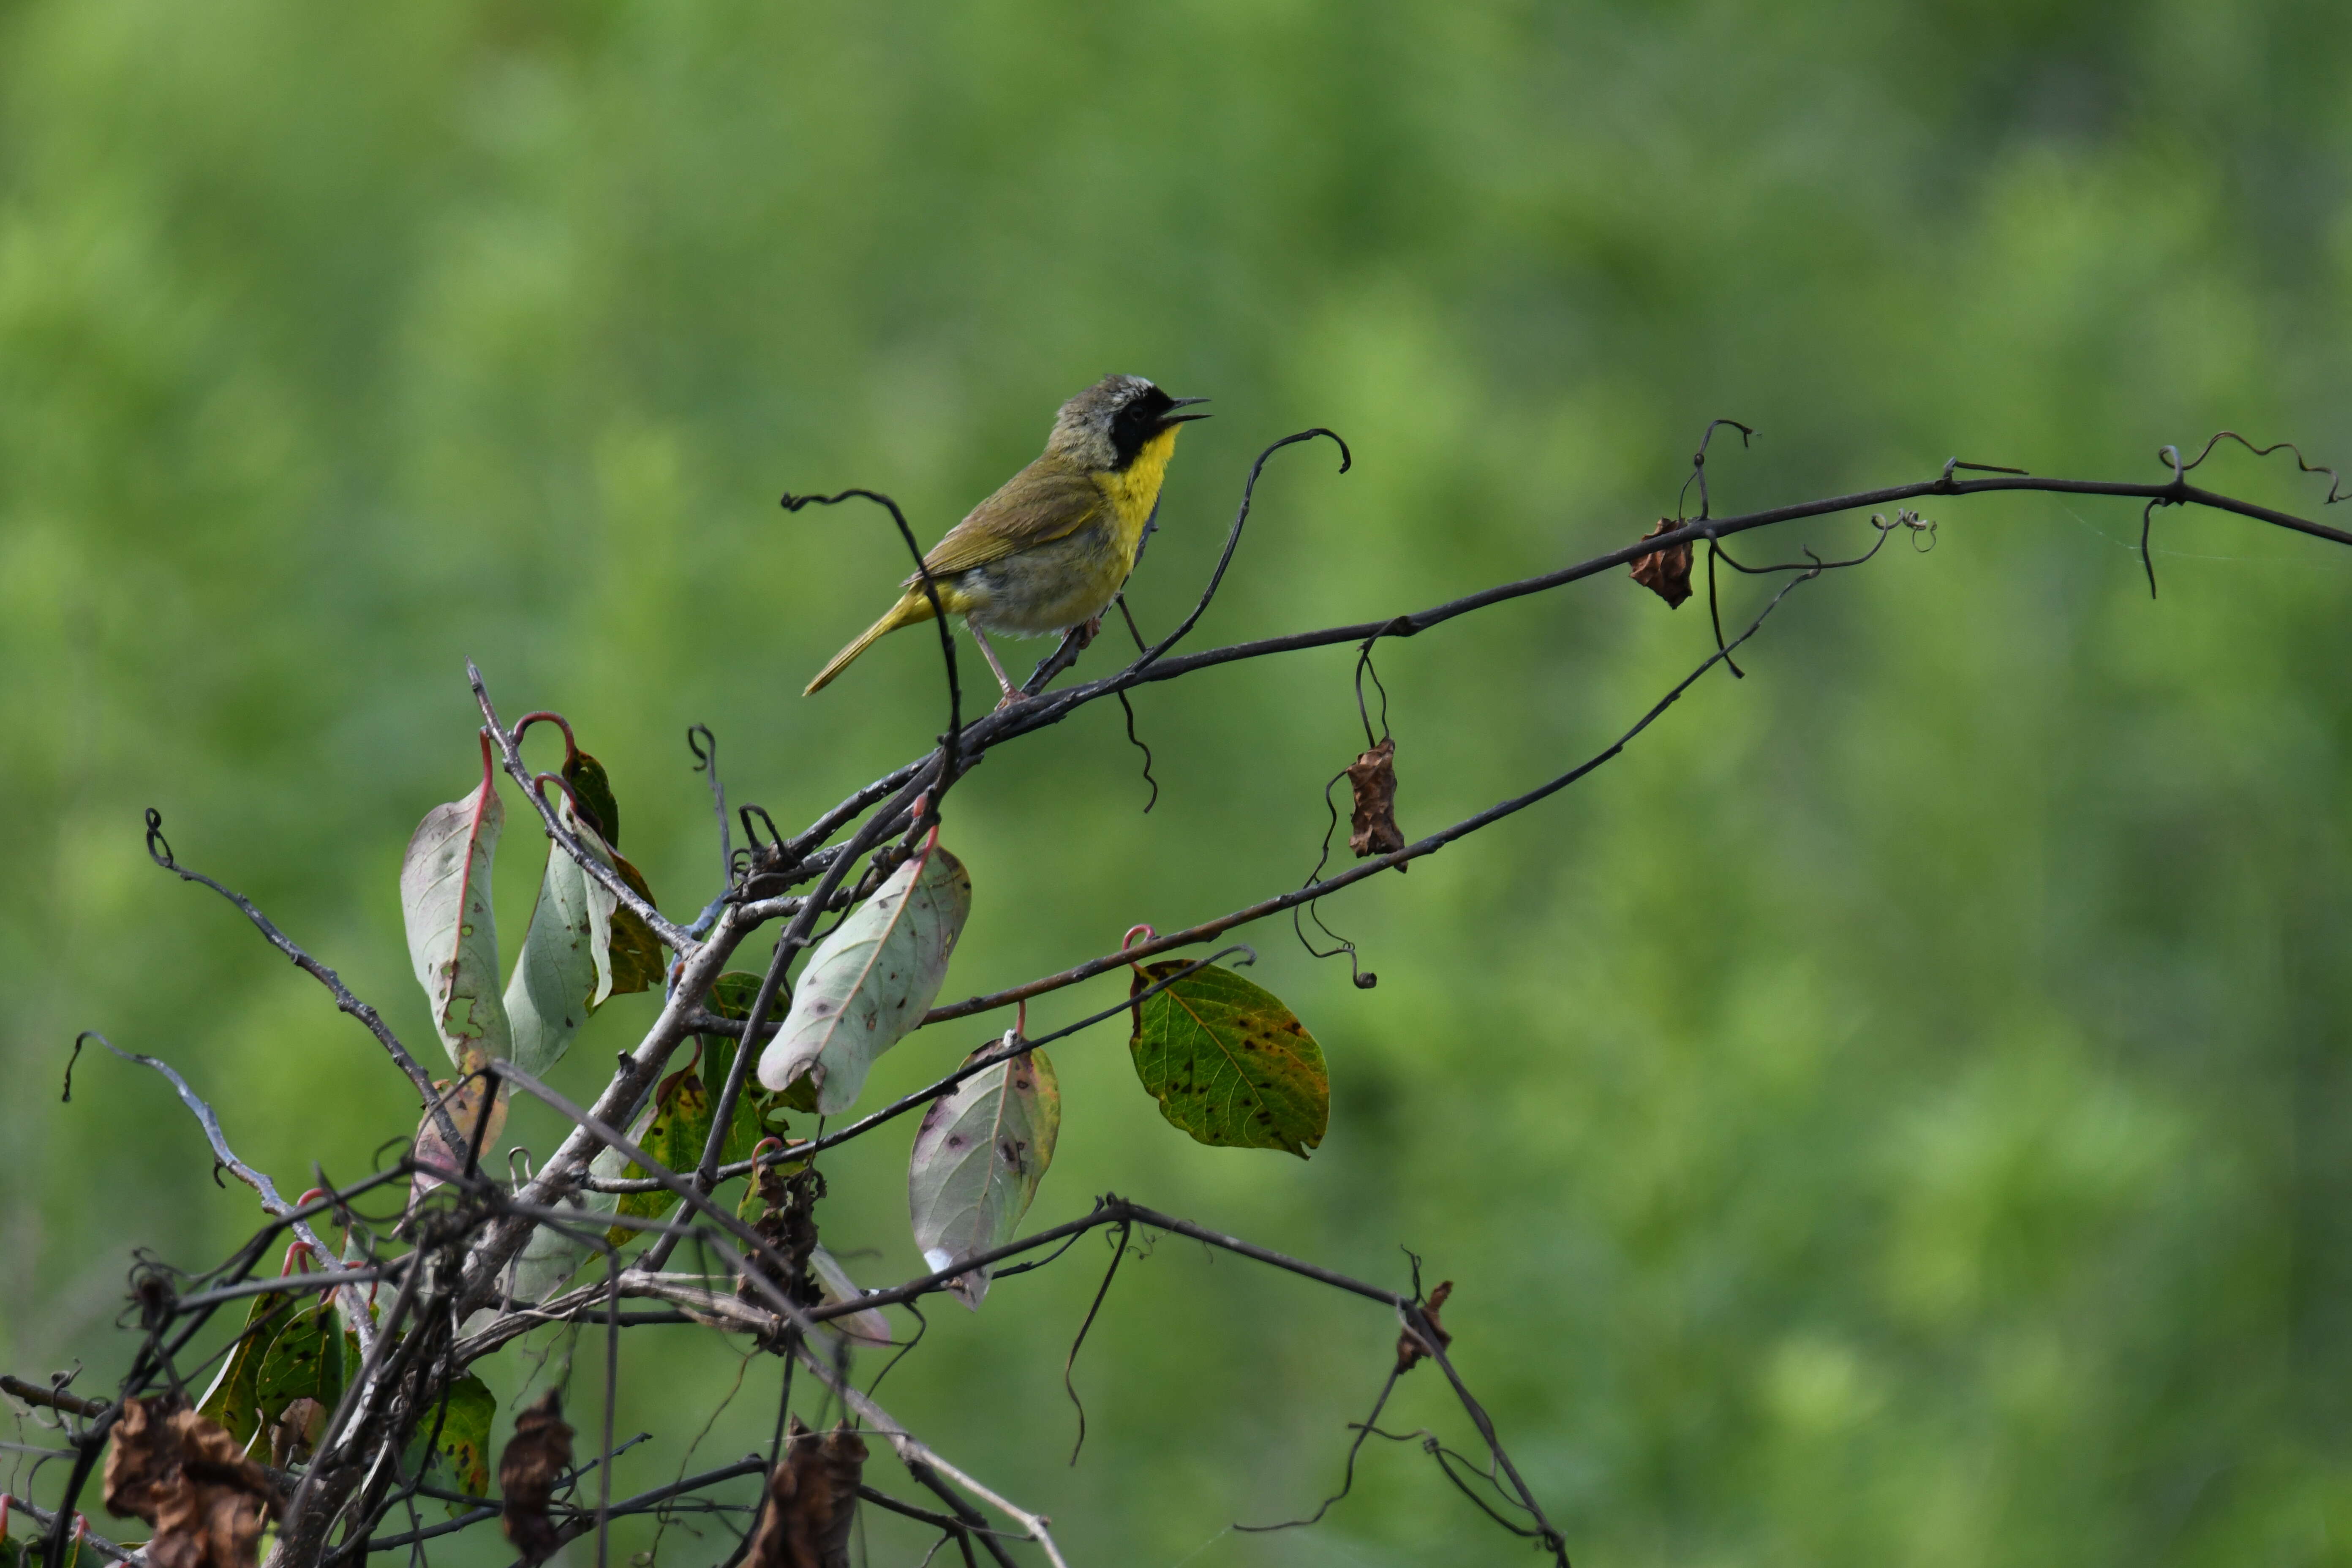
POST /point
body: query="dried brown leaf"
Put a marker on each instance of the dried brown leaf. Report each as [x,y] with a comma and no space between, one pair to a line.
[1372,829]
[536,1457]
[790,1226]
[299,1429]
[186,1476]
[1410,1348]
[1665,572]
[812,1502]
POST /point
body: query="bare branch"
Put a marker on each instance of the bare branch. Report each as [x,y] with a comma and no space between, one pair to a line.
[257,1179]
[159,850]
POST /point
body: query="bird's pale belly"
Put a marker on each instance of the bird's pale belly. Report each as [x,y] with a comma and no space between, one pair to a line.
[1047,588]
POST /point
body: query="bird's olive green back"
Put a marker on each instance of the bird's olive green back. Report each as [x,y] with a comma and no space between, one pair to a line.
[1051,498]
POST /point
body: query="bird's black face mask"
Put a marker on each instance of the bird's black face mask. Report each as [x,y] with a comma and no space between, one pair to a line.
[1138,422]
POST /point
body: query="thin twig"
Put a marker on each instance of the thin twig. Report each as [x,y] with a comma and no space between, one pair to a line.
[159,850]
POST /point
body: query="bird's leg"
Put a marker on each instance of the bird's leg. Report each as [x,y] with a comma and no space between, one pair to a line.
[1012,694]
[1087,633]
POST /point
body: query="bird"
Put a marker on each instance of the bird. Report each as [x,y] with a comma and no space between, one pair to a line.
[1053,547]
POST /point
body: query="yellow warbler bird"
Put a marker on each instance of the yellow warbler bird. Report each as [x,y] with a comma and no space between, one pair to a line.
[1052,548]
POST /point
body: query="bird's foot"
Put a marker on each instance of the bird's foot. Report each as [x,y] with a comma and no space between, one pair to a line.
[1087,633]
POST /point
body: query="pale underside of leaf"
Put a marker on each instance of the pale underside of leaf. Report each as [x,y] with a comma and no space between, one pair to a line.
[978,1155]
[453,943]
[565,968]
[871,982]
[868,1327]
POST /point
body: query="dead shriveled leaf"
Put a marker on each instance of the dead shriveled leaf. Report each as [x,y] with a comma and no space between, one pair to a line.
[187,1478]
[536,1457]
[300,1427]
[1665,572]
[812,1502]
[1372,829]
[788,1195]
[1228,1062]
[1409,1346]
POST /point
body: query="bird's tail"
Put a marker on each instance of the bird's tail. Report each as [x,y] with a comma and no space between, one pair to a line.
[912,609]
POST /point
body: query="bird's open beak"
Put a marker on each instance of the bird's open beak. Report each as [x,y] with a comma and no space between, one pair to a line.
[1167,419]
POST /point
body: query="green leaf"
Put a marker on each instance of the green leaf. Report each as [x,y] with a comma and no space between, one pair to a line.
[565,969]
[230,1402]
[304,1361]
[680,1125]
[755,1108]
[452,940]
[636,952]
[870,983]
[463,1449]
[32,1551]
[586,776]
[978,1155]
[1228,1062]
[731,996]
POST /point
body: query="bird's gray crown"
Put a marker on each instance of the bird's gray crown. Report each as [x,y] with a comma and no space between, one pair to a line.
[1106,424]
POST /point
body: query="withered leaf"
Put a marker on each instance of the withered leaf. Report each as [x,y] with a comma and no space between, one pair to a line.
[187,1478]
[812,1502]
[1665,572]
[1372,829]
[788,1196]
[299,1429]
[1409,1346]
[536,1457]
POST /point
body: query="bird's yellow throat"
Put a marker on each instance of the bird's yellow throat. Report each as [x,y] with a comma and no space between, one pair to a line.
[1134,489]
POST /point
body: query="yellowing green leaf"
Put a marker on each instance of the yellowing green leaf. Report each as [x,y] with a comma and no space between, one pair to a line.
[464,1442]
[1228,1062]
[304,1361]
[636,952]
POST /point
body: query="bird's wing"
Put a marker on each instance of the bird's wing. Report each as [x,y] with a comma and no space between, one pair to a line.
[1043,502]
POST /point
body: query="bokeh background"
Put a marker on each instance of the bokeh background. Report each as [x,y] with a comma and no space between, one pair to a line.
[1896,1112]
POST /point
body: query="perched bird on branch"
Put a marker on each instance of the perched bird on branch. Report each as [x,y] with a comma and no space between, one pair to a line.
[1052,549]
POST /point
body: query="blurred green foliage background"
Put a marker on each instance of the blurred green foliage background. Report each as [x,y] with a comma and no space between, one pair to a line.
[1897,1112]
